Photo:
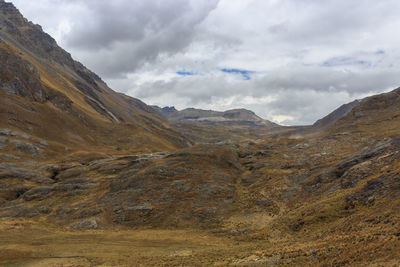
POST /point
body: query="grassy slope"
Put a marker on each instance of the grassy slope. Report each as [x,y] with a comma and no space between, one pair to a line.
[81,127]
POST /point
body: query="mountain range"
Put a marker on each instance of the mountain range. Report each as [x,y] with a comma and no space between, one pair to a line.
[234,116]
[92,177]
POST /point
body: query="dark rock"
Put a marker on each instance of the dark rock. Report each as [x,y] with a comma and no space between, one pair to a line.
[59,100]
[264,203]
[138,213]
[44,143]
[43,209]
[37,193]
[289,166]
[20,135]
[72,172]
[355,174]
[5,132]
[108,166]
[379,149]
[385,185]
[263,153]
[71,187]
[8,156]
[18,76]
[18,211]
[12,192]
[78,181]
[42,192]
[23,174]
[29,148]
[249,179]
[297,226]
[219,183]
[268,205]
[353,169]
[89,212]
[181,185]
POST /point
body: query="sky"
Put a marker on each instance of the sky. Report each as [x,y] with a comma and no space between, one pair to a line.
[289,61]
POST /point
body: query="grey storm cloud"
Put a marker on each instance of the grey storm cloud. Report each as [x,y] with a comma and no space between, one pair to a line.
[303,58]
[116,37]
[131,33]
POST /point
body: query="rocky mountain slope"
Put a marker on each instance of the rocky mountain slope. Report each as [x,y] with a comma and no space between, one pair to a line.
[47,95]
[336,114]
[90,177]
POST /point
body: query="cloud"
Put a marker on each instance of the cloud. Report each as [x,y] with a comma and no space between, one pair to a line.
[306,57]
[293,96]
[117,37]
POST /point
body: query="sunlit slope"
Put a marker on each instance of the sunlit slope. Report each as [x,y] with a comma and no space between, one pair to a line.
[47,94]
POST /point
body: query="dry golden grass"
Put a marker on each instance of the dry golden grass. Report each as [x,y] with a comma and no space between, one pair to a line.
[28,243]
[31,244]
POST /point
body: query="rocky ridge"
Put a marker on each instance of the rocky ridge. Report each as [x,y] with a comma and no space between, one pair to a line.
[234,116]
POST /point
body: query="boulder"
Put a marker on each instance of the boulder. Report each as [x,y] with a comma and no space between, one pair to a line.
[89,224]
[28,148]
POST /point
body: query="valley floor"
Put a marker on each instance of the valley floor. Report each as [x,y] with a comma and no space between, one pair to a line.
[30,243]
[207,205]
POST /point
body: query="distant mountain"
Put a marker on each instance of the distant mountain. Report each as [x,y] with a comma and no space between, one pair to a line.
[234,116]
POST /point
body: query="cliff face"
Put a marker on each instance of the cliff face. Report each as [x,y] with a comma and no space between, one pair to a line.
[30,37]
[27,84]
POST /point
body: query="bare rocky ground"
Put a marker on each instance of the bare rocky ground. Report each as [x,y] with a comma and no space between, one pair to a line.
[319,201]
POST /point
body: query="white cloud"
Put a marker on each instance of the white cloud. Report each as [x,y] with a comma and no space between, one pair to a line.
[308,57]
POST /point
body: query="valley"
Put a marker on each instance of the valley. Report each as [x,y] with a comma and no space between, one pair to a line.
[92,177]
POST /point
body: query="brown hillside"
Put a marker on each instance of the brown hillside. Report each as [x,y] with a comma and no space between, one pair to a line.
[46,94]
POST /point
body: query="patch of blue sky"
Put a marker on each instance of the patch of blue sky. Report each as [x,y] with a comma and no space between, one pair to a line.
[245,73]
[185,73]
[345,61]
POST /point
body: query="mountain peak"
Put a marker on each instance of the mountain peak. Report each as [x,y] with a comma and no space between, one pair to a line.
[9,11]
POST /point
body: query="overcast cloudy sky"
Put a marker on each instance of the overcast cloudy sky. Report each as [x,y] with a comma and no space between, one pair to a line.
[290,61]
